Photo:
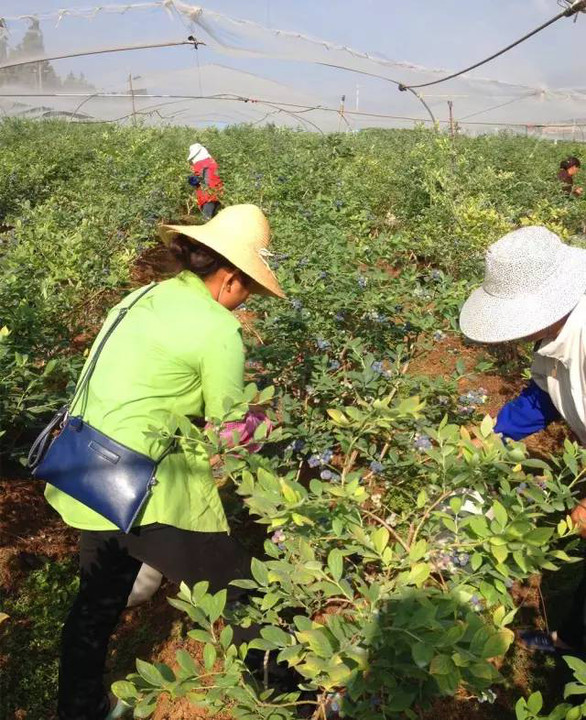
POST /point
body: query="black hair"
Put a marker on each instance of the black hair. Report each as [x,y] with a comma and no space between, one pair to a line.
[199,259]
[570,163]
[202,260]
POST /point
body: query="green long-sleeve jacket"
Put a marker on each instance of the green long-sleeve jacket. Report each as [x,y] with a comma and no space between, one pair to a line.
[177,352]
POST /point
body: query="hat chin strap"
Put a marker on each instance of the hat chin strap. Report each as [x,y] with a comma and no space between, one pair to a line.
[221,291]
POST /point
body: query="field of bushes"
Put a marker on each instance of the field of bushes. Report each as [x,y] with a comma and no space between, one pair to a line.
[396,557]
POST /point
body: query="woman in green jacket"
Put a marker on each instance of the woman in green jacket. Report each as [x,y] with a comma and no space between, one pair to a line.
[179,351]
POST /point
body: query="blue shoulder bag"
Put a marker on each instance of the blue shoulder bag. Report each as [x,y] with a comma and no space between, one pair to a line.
[106,476]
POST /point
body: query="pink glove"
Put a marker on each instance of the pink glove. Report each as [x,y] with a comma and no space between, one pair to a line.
[245,430]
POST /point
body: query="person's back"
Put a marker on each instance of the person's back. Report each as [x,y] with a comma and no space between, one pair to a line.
[178,352]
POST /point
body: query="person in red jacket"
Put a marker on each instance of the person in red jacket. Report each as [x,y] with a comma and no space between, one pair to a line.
[206,179]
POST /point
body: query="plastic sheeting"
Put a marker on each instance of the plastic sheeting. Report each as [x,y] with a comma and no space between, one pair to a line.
[238,71]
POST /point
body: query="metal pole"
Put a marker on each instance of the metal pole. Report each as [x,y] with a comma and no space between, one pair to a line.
[452,128]
[342,101]
[133,103]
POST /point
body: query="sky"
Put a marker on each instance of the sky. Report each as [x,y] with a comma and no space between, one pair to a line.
[435,33]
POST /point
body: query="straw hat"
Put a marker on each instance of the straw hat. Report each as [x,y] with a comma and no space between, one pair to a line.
[241,234]
[197,152]
[532,280]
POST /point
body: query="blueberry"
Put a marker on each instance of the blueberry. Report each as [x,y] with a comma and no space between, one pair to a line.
[327,456]
[314,461]
[476,602]
[422,442]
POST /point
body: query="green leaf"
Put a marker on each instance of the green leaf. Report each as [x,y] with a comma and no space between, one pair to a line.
[149,673]
[217,605]
[521,560]
[187,663]
[578,666]
[246,584]
[198,592]
[267,394]
[417,551]
[259,572]
[535,702]
[422,654]
[476,561]
[145,709]
[500,553]
[574,689]
[498,644]
[277,636]
[419,574]
[209,657]
[539,536]
[500,514]
[226,637]
[486,426]
[456,505]
[124,690]
[202,636]
[380,539]
[336,563]
[399,700]
[442,665]
[339,418]
[484,671]
[479,526]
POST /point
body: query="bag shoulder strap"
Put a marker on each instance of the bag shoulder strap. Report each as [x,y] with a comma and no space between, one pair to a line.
[84,381]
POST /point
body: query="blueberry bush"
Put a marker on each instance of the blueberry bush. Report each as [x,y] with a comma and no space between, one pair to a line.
[393,521]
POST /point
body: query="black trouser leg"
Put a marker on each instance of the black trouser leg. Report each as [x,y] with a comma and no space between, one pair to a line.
[107,574]
[110,562]
[210,209]
[573,628]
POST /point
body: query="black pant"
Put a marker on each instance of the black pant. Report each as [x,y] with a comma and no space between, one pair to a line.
[109,564]
[573,630]
[210,209]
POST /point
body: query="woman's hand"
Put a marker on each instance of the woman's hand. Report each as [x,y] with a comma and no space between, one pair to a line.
[579,518]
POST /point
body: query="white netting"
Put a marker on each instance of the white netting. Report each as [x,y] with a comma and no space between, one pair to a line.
[244,72]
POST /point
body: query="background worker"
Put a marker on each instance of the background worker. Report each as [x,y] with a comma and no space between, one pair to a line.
[205,179]
[568,169]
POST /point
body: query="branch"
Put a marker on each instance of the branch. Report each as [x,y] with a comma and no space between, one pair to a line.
[388,527]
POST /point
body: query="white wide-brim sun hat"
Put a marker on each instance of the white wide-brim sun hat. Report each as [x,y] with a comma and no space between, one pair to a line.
[532,280]
[241,234]
[197,152]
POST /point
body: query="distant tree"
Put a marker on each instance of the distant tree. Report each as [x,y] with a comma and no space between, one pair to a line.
[3,50]
[38,75]
[76,83]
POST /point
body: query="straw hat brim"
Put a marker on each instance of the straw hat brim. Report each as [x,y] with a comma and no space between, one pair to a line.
[488,319]
[244,258]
